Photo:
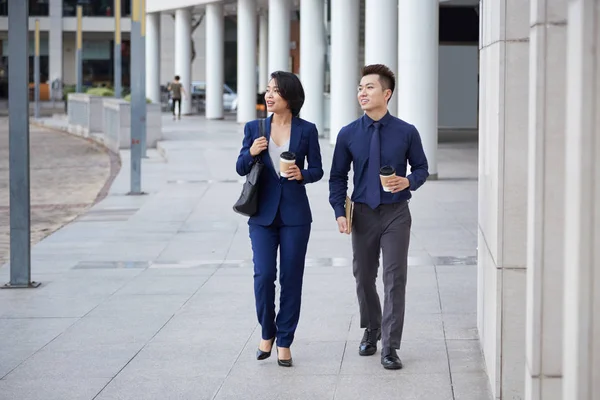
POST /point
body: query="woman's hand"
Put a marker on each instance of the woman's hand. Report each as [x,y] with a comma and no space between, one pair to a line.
[258,146]
[294,173]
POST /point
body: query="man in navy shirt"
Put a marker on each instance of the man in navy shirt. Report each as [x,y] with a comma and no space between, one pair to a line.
[381,218]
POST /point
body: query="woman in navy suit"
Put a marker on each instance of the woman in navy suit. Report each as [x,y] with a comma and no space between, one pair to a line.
[284,218]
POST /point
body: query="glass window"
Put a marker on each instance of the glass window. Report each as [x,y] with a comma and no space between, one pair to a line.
[98,63]
[95,8]
[459,25]
[37,8]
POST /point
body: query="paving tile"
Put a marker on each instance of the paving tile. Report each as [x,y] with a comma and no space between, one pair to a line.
[278,386]
[157,292]
[134,386]
[394,385]
[52,388]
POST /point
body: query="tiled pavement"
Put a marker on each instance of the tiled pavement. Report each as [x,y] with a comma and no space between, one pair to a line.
[150,297]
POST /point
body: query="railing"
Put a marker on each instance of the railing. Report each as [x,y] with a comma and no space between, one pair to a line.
[78,111]
[113,122]
[117,124]
[85,111]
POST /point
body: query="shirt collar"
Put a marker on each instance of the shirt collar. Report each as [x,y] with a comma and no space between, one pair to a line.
[383,121]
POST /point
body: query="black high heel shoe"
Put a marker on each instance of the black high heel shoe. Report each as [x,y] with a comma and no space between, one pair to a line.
[263,355]
[284,363]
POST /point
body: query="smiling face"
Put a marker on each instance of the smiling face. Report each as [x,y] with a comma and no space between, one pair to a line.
[371,94]
[275,103]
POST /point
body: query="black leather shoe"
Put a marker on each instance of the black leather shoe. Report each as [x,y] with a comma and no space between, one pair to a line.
[263,355]
[284,363]
[368,345]
[390,359]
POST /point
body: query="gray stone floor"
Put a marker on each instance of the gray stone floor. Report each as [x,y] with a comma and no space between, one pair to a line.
[150,297]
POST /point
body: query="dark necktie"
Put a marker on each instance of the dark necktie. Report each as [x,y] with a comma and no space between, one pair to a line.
[373,182]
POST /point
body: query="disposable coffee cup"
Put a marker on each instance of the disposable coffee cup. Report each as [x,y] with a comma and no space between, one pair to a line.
[385,173]
[286,160]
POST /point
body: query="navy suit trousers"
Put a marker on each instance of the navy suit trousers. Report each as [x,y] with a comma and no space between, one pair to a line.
[292,242]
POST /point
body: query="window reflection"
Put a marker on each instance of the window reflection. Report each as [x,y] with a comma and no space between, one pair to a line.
[95,8]
[37,8]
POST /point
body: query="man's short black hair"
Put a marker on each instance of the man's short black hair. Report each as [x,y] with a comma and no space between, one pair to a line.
[176,77]
[386,76]
[290,89]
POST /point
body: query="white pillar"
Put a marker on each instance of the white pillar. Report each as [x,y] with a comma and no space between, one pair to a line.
[279,35]
[183,55]
[246,61]
[545,213]
[312,60]
[417,77]
[344,64]
[581,342]
[215,55]
[502,184]
[263,52]
[381,38]
[153,57]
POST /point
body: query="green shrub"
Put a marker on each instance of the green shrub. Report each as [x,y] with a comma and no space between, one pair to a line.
[67,89]
[101,91]
[128,98]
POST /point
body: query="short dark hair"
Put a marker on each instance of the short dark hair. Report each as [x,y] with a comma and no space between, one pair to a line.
[176,77]
[386,76]
[290,89]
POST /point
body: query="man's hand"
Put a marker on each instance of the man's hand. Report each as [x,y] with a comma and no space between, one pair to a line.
[294,173]
[258,146]
[397,183]
[342,224]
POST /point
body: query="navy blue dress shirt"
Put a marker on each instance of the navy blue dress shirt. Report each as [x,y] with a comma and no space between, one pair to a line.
[400,144]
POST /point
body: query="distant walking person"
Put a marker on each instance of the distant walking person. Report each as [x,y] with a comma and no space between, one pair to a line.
[283,220]
[176,89]
[378,146]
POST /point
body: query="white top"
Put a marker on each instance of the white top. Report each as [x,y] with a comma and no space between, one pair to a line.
[275,152]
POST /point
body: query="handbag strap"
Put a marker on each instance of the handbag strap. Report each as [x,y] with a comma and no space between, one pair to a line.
[261,132]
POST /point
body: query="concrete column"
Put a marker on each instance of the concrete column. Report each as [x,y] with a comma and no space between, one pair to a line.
[263,51]
[546,209]
[183,55]
[279,35]
[502,225]
[215,59]
[381,38]
[312,60]
[581,357]
[344,64]
[246,71]
[55,44]
[153,57]
[417,77]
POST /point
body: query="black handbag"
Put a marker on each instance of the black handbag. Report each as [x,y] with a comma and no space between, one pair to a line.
[247,204]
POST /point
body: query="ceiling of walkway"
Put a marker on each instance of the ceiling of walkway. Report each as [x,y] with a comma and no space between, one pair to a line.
[231,5]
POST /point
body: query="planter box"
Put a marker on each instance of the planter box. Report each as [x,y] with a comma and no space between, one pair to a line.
[117,124]
[85,113]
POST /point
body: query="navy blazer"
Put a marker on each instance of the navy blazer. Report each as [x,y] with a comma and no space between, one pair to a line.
[278,193]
